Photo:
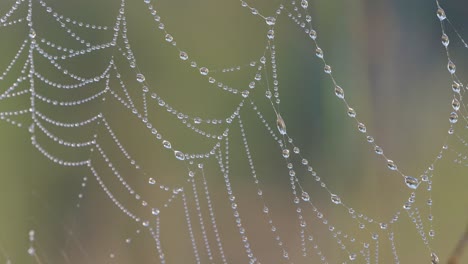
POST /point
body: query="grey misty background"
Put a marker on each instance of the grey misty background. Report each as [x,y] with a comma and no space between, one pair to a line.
[387,56]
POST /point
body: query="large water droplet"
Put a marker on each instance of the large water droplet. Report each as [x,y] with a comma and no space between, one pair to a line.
[169,38]
[319,52]
[411,182]
[455,104]
[391,165]
[270,21]
[351,112]
[305,196]
[313,34]
[167,144]
[451,67]
[434,258]
[286,153]
[280,124]
[362,128]
[304,4]
[183,55]
[453,118]
[445,40]
[204,71]
[339,92]
[352,256]
[140,77]
[179,155]
[441,14]
[335,199]
[327,69]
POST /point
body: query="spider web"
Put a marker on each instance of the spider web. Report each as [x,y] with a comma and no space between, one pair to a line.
[175,179]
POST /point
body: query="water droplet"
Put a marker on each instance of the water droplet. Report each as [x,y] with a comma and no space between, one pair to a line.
[407,206]
[351,112]
[304,4]
[270,21]
[411,182]
[378,150]
[455,104]
[197,120]
[140,77]
[391,165]
[169,38]
[441,14]
[362,128]
[431,233]
[383,226]
[453,118]
[352,256]
[305,197]
[451,67]
[456,87]
[32,33]
[268,94]
[183,55]
[335,199]
[155,211]
[327,69]
[167,144]
[204,71]
[313,34]
[319,52]
[280,124]
[271,34]
[339,92]
[445,40]
[286,153]
[151,181]
[245,93]
[434,258]
[179,155]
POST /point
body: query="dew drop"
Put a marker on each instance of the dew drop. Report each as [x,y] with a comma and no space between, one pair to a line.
[339,92]
[155,211]
[319,52]
[351,112]
[169,38]
[183,55]
[378,150]
[204,71]
[362,128]
[352,256]
[411,182]
[304,4]
[140,77]
[245,93]
[313,34]
[151,181]
[451,67]
[456,87]
[391,165]
[179,155]
[455,104]
[271,34]
[167,144]
[270,21]
[383,226]
[32,33]
[286,153]
[441,14]
[335,199]
[453,118]
[434,258]
[280,124]
[327,69]
[445,40]
[305,196]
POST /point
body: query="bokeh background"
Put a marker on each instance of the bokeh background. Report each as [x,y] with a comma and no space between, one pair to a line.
[387,55]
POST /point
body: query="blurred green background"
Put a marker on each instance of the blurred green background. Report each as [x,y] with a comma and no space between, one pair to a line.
[387,56]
